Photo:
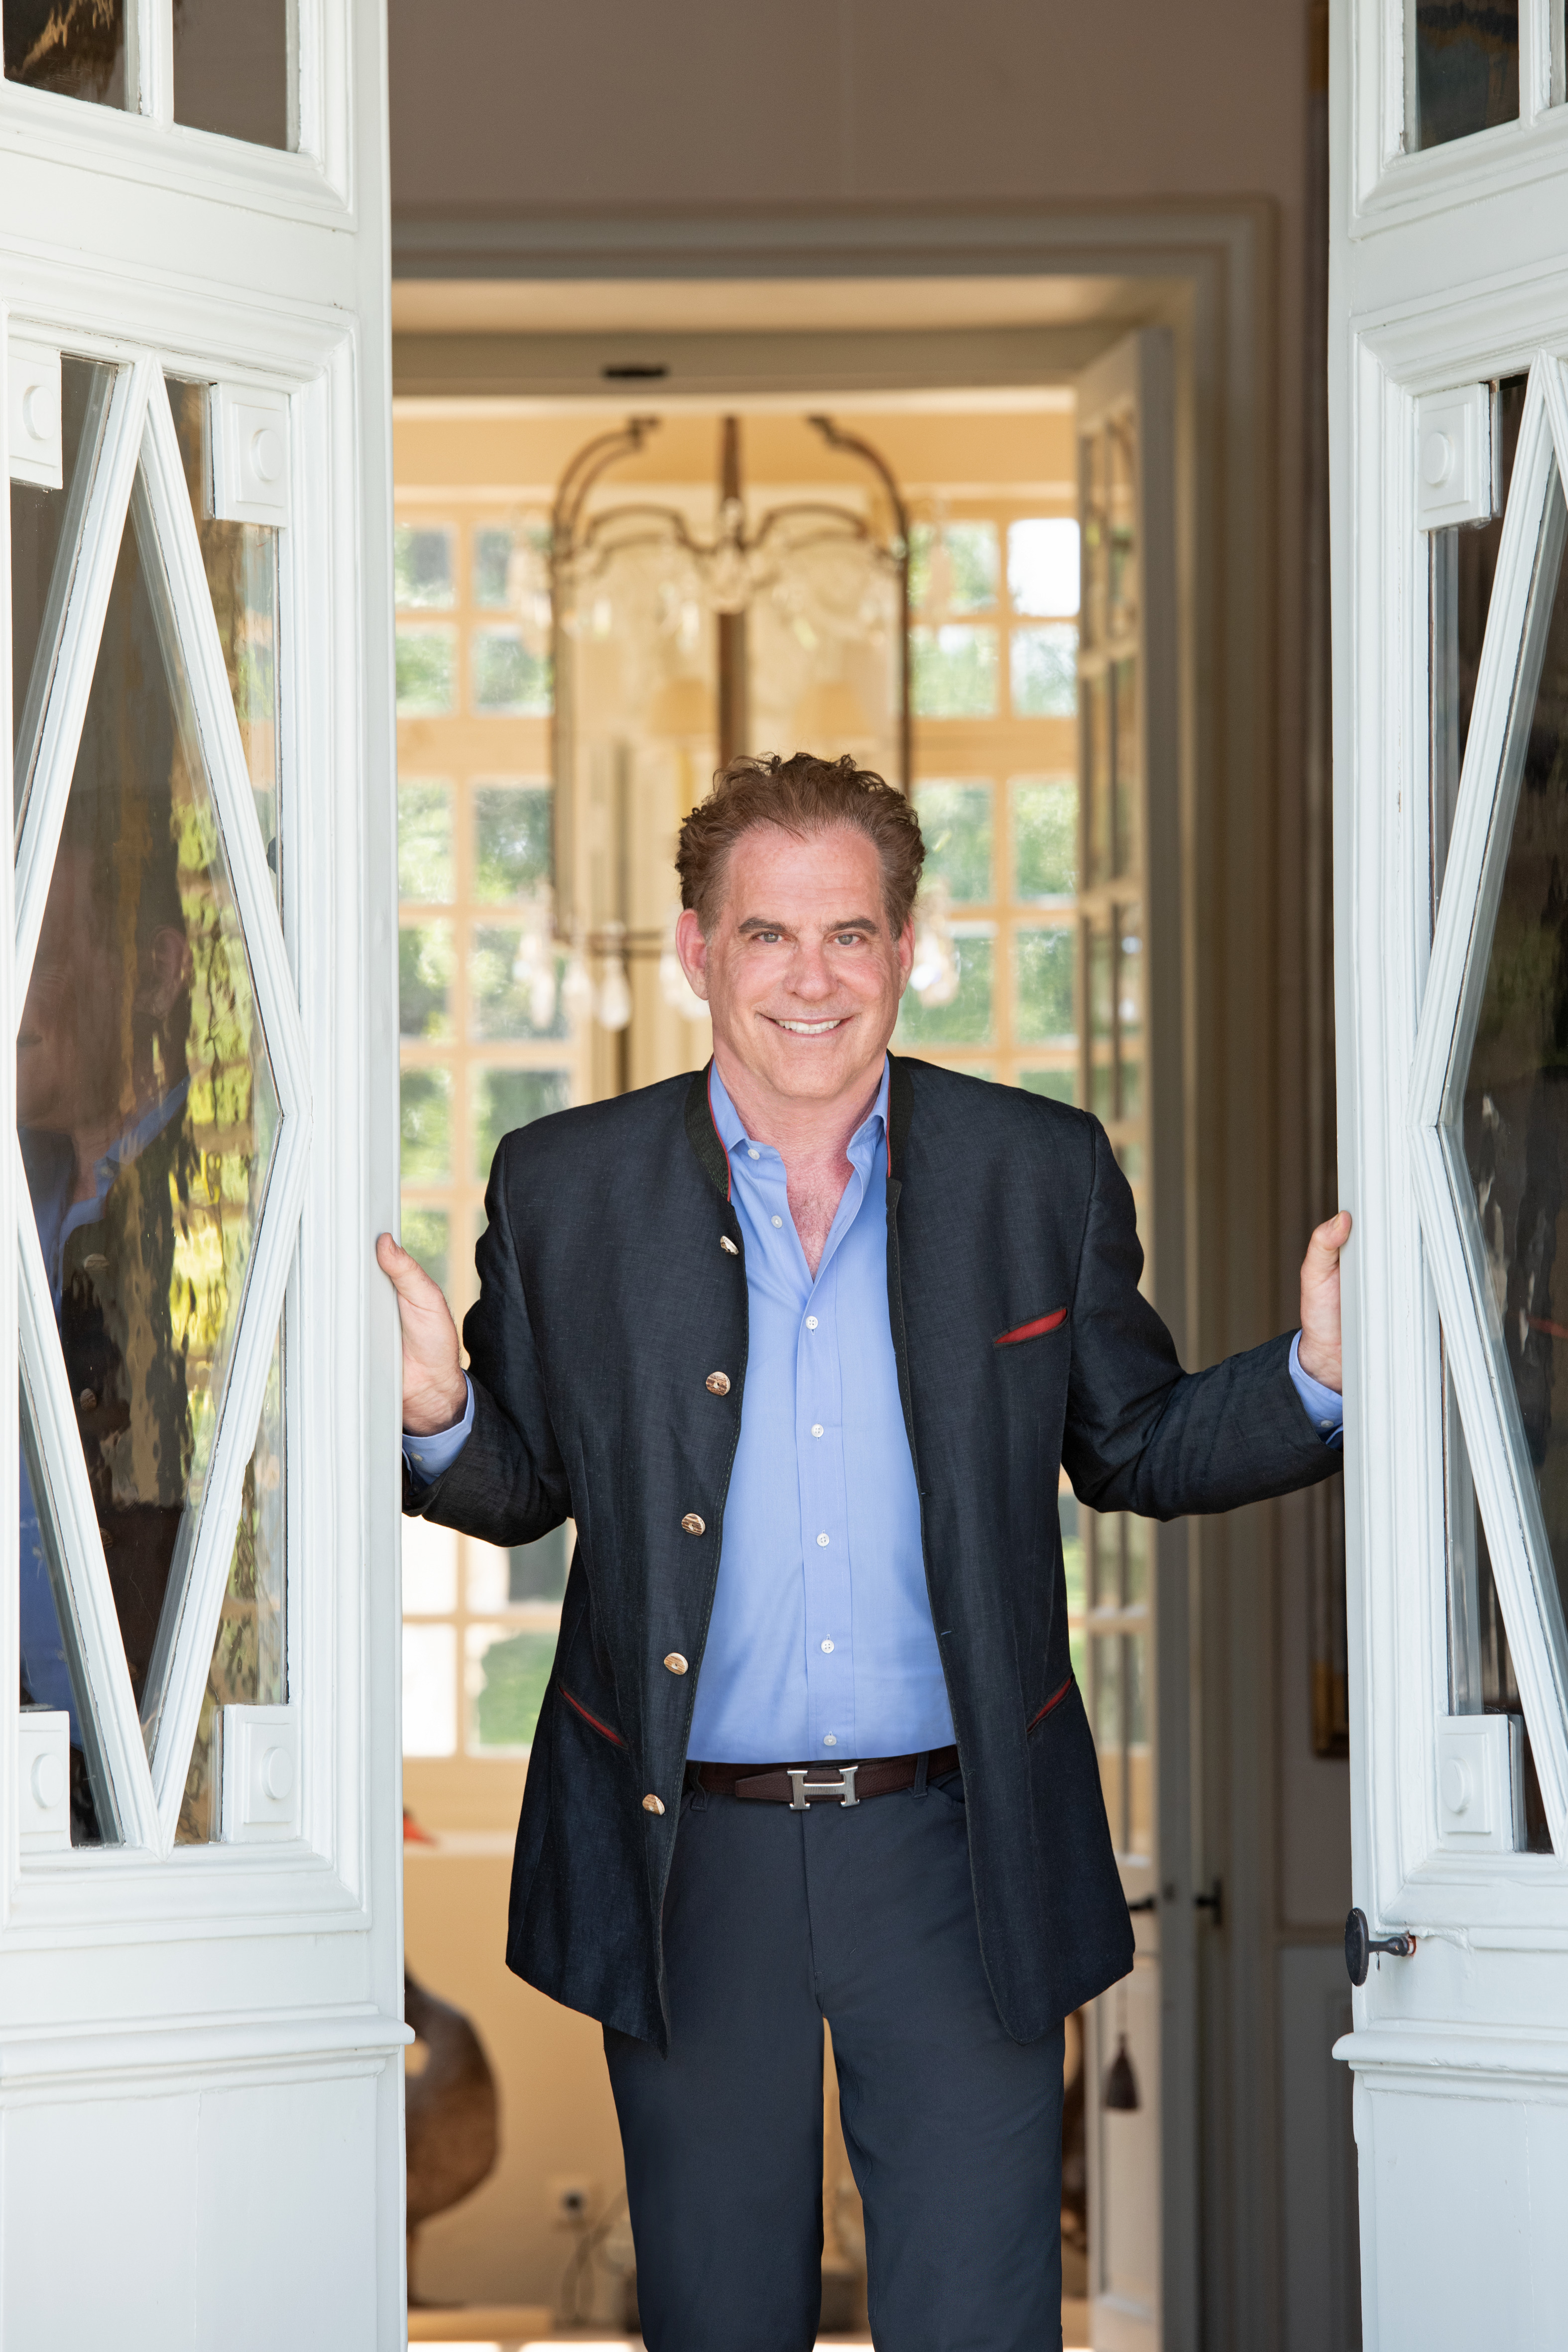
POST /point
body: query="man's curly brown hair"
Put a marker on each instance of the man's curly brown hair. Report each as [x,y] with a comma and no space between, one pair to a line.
[803,795]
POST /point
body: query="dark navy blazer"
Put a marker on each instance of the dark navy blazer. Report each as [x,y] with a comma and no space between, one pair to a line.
[606,1300]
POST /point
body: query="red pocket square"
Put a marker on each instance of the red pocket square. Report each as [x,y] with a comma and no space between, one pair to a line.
[1031,1330]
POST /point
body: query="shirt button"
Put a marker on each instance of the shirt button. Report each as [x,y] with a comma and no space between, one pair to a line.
[811,1322]
[829,1739]
[828,1645]
[652,1804]
[718,1383]
[1325,1425]
[676,1663]
[728,1246]
[823,1541]
[693,1525]
[817,1429]
[752,1151]
[779,1222]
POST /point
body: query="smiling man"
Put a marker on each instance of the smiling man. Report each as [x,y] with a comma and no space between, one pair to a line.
[801,1343]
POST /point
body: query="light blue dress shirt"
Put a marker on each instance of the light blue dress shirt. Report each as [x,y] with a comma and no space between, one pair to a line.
[821,1642]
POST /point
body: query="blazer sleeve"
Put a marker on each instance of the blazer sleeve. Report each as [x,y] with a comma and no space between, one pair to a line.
[509,1484]
[1143,1435]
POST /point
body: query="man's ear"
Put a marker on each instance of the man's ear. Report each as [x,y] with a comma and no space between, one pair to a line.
[906,950]
[169,966]
[692,947]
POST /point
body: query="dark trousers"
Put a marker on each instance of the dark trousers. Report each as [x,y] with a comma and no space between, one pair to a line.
[863,1915]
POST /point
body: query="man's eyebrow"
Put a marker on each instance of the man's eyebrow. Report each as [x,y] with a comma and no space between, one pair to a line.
[849,923]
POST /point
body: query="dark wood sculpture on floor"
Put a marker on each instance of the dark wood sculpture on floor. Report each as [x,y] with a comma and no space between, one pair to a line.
[453,2136]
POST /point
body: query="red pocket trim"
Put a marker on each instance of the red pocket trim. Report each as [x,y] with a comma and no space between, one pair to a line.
[1055,1699]
[614,1736]
[1031,1330]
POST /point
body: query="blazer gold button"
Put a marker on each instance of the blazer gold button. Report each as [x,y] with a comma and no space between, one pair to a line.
[87,1401]
[693,1525]
[726,1243]
[676,1663]
[718,1383]
[651,1804]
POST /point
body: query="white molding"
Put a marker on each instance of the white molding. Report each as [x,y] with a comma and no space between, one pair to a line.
[194,2052]
[1459,2061]
[1391,187]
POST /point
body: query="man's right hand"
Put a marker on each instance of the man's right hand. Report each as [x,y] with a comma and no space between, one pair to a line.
[434,1393]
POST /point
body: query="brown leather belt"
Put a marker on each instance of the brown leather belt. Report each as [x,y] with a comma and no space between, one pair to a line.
[800,1786]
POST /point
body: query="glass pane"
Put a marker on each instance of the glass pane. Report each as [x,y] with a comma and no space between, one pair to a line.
[505,1099]
[501,989]
[425,1098]
[492,567]
[1129,1011]
[1101,1000]
[1125,823]
[1480,1667]
[509,681]
[1467,68]
[1104,1713]
[1043,984]
[76,48]
[1464,565]
[249,1660]
[426,672]
[1073,1573]
[53,1673]
[954,672]
[426,1236]
[513,852]
[1513,1112]
[426,962]
[506,1676]
[424,842]
[967,1020]
[955,821]
[147,1107]
[430,1568]
[240,559]
[45,529]
[424,570]
[1098,747]
[1121,587]
[1093,495]
[537,1571]
[953,569]
[1045,837]
[429,1690]
[1044,671]
[1139,1789]
[1105,1566]
[1060,1086]
[511,572]
[1043,565]
[1135,1575]
[232,68]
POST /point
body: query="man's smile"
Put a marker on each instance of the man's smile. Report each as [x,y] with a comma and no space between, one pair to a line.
[819,1028]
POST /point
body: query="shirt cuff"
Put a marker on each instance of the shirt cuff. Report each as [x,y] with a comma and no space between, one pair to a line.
[428,1457]
[1325,1407]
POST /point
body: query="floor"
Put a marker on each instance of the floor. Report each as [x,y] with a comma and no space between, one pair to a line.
[514,2329]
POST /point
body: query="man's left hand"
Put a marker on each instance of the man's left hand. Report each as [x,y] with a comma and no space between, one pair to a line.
[1320,1350]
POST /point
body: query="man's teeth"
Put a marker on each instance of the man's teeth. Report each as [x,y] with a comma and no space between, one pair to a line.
[814,1028]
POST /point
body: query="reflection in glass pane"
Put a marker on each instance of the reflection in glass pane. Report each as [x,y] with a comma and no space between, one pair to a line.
[1073,1573]
[1043,985]
[1105,1573]
[1462,567]
[953,569]
[1042,566]
[76,48]
[1121,553]
[430,1568]
[424,567]
[505,1099]
[1125,796]
[501,990]
[955,822]
[1467,68]
[249,1660]
[506,1675]
[46,539]
[514,853]
[1045,837]
[1135,1574]
[1059,1085]
[1129,980]
[1480,1667]
[426,962]
[424,842]
[1106,1716]
[232,68]
[967,1020]
[1513,1114]
[508,680]
[53,1670]
[146,1106]
[429,1690]
[1140,1790]
[426,672]
[1093,494]
[954,672]
[240,559]
[1098,690]
[427,1235]
[426,1111]
[1044,671]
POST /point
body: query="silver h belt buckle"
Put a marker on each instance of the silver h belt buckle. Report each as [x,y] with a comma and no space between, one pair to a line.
[805,1789]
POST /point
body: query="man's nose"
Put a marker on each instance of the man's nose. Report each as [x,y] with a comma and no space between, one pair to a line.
[809,975]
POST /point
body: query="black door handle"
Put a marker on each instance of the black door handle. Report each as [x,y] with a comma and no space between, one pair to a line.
[1145,1903]
[1361,1944]
[1213,1901]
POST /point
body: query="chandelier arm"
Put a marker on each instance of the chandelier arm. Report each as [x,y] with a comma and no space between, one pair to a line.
[853,447]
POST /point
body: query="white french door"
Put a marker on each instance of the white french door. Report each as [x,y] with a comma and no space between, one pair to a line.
[1449,415]
[1134,1655]
[200,1954]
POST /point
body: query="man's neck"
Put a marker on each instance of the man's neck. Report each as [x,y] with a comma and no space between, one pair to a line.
[805,1131]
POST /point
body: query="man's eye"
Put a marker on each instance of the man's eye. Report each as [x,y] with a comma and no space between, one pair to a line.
[850,939]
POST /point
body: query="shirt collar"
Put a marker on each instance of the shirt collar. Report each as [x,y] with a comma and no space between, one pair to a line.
[862,1144]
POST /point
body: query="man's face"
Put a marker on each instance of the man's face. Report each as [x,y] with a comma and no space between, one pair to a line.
[801,972]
